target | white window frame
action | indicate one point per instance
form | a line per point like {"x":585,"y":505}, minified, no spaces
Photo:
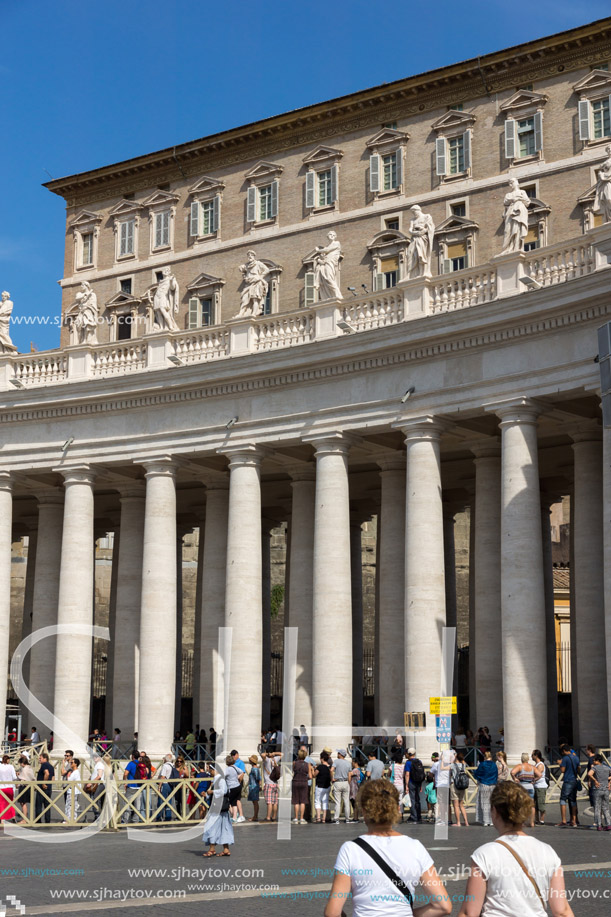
{"x":453,"y":203}
{"x":125,"y":212}
{"x":205,"y":287}
{"x":595,"y":87}
{"x":91,"y":237}
{"x":122,"y":255}
{"x":442,"y":155}
{"x":195,"y":309}
{"x":512,"y":136}
{"x":262,"y":176}
{"x":386,"y":245}
{"x":313,"y":187}
{"x":130,"y":277}
{"x":388,"y":142}
{"x":196,"y":218}
{"x":85,"y":223}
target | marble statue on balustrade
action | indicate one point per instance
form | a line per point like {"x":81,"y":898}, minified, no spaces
{"x":602,"y":198}
{"x":85,"y":323}
{"x":252,"y":299}
{"x":326,"y":269}
{"x":516,"y":218}
{"x":420,"y":248}
{"x":165,"y":302}
{"x":6,"y":308}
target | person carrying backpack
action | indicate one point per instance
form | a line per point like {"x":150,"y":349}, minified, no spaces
{"x":458,"y":787}
{"x":414,"y":778}
{"x":135,"y":771}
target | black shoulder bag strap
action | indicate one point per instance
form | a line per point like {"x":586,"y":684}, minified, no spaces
{"x":388,"y":871}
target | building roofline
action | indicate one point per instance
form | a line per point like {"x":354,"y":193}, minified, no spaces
{"x":492,"y":70}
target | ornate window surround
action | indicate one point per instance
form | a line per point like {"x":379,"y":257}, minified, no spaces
{"x":385,"y":142}
{"x":204,"y":191}
{"x":451,"y":125}
{"x":206,"y":286}
{"x":523,"y":104}
{"x":586,"y":202}
{"x":124,"y":305}
{"x":322,"y":159}
{"x":85,"y":222}
{"x":593,"y":87}
{"x":273,"y":278}
{"x":157,"y":203}
{"x":455,"y":231}
{"x":260,"y":176}
{"x":389,"y":243}
{"x":538,"y":213}
{"x":122,"y":212}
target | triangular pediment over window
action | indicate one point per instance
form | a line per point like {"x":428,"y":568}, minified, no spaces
{"x":454,"y":224}
{"x":322,"y":154}
{"x":264,"y":170}
{"x":125,"y":208}
{"x":207,"y":184}
{"x":588,"y":196}
{"x":538,"y":206}
{"x":85,"y":218}
{"x":523,"y":98}
{"x":593,"y":82}
{"x":387,"y":137}
{"x":122,"y":299}
{"x":203,"y":281}
{"x":158,"y":198}
{"x":454,"y":120}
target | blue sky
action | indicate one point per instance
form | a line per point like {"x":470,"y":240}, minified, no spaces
{"x":83,"y":85}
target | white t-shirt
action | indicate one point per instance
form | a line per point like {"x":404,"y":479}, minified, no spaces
{"x":509,"y":891}
{"x":373,"y":894}
{"x":268,"y":764}
{"x":7,"y":774}
{"x":442,"y":776}
{"x":540,"y":782}
{"x":72,"y":776}
{"x":99,"y":772}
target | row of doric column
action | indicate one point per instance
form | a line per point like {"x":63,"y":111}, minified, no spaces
{"x":512,"y":606}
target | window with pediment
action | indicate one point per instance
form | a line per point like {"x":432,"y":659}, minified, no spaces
{"x":388,"y":250}
{"x":453,"y":144}
{"x":85,"y":228}
{"x":205,"y":212}
{"x":322,"y":178}
{"x":162,"y":212}
{"x":262,"y":194}
{"x":126,"y":313}
{"x":125,"y":217}
{"x":594,"y":107}
{"x":386,"y":162}
{"x":456,"y":242}
{"x":204,"y":301}
{"x":590,"y":219}
{"x":524,"y":125}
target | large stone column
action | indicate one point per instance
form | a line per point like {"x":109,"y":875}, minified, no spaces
{"x":425,"y":612}
{"x":550,"y":622}
{"x":45,"y":597}
{"x":332,"y":595}
{"x":522,"y":585}
{"x":112,"y":619}
{"x":266,"y":621}
{"x":180,"y":534}
{"x":212,"y":609}
{"x":126,"y":644}
{"x":589,"y":589}
{"x":300,"y":587}
{"x":391,"y":630}
{"x":607,"y":555}
{"x":75,"y":606}
{"x":6,"y":522}
{"x":158,"y":610}
{"x":356,"y":574}
{"x":487,"y":586}
{"x":473,"y":720}
{"x":197,"y":630}
{"x":243,"y":599}
{"x":26,"y":623}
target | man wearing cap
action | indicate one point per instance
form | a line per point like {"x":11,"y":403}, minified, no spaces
{"x":413,"y":786}
{"x":341,"y":786}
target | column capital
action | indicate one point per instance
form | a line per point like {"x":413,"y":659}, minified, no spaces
{"x":131,"y":491}
{"x":304,"y":472}
{"x":6,"y":481}
{"x":212,"y":484}
{"x":424,"y":427}
{"x":485,"y":448}
{"x":245,"y":454}
{"x":586,"y":435}
{"x":158,"y":466}
{"x":518,"y":410}
{"x":391,"y":461}
{"x":50,"y":496}
{"x":338,"y":442}
{"x":78,"y":474}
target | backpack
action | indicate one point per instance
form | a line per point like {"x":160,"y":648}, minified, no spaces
{"x":416,"y":773}
{"x":548,"y":775}
{"x":140,"y":771}
{"x":174,"y":775}
{"x":461,"y":780}
{"x":274,"y":774}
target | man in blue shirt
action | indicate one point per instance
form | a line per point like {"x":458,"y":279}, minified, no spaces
{"x":131,"y":790}
{"x":569,"y":768}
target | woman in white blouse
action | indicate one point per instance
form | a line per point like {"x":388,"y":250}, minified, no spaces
{"x":7,"y":789}
{"x":516,"y":875}
{"x":26,"y":775}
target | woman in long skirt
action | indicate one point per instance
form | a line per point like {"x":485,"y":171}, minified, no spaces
{"x":217,"y":826}
{"x":8,"y":778}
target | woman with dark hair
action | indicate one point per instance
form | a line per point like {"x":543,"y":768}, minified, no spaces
{"x":516,"y":875}
{"x":457,"y":790}
{"x":302,"y":772}
{"x":380,"y":870}
{"x":322,"y":774}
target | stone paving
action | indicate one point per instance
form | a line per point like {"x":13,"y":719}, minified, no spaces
{"x":297,"y":872}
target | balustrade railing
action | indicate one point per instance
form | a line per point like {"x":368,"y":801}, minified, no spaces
{"x":40,"y":368}
{"x":275,"y":331}
{"x":378,"y":312}
{"x":463,"y":289}
{"x":558,"y":263}
{"x":119,"y":358}
{"x":202,"y":345}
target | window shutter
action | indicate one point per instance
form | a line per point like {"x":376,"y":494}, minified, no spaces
{"x":310,"y":188}
{"x":399,"y":165}
{"x":216,"y":213}
{"x":510,"y":138}
{"x":122,"y":238}
{"x":251,"y":207}
{"x":466,"y":145}
{"x":440,"y":156}
{"x":194,"y":313}
{"x":166,"y":227}
{"x":538,"y":132}
{"x":584,"y":120}
{"x":378,"y":282}
{"x":274,"y":202}
{"x":446,"y":266}
{"x":309,"y":291}
{"x":130,"y":237}
{"x":158,"y":226}
{"x":374,"y":172}
{"x":194,"y":227}
{"x":334,"y":177}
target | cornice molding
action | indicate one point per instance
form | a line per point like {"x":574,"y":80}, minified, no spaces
{"x":504,"y":330}
{"x":493,"y":73}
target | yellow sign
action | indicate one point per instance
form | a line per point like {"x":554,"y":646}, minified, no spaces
{"x":442,"y":706}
